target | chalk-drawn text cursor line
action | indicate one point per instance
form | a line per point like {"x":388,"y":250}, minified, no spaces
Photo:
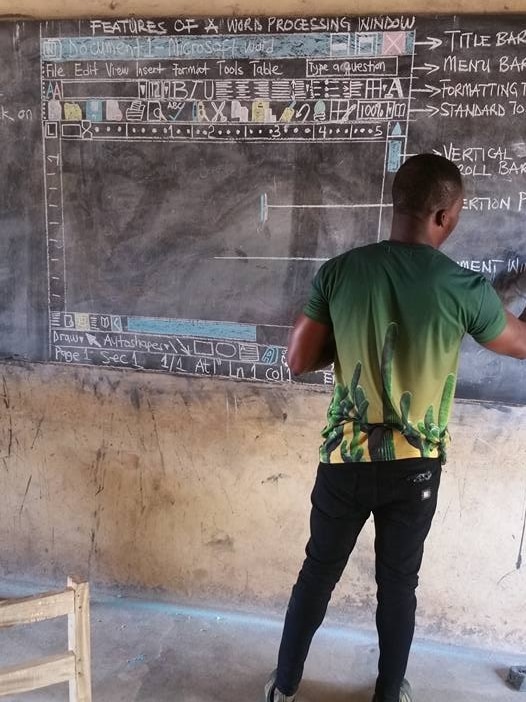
{"x":265,"y":207}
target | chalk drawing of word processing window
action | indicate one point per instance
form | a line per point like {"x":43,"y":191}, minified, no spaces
{"x":321,"y":88}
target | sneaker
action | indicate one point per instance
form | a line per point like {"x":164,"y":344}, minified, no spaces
{"x":272,"y":694}
{"x":406,"y":694}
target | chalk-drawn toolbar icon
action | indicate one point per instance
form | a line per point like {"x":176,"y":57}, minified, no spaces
{"x":340,"y":45}
{"x":394,"y":43}
{"x":82,"y":322}
{"x":54,"y":110}
{"x":135,"y":113}
{"x":367,"y":44}
{"x":51,"y":130}
{"x":52,"y":49}
{"x":249,"y":352}
{"x":94,"y":110}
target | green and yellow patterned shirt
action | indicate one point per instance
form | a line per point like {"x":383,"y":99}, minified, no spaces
{"x":398,"y":313}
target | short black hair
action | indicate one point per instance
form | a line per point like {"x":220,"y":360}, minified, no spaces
{"x":426,"y":183}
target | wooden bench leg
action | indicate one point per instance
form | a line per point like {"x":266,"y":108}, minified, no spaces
{"x":79,"y":642}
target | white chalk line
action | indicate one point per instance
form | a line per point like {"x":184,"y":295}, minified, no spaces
{"x":319,"y":207}
{"x":267,"y":258}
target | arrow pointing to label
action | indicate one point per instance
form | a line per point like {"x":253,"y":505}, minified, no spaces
{"x":432,"y":42}
{"x":431,"y":89}
{"x":92,"y":340}
{"x":428,"y":67}
{"x":432,"y":111}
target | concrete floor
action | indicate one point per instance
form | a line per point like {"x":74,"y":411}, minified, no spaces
{"x":156,"y":652}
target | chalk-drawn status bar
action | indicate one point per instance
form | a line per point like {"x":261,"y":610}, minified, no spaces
{"x":194,"y":347}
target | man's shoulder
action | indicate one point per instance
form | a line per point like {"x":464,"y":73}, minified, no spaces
{"x":428,"y":259}
{"x":365,"y":251}
{"x":457,"y":271}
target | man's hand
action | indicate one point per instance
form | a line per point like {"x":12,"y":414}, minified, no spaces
{"x":510,"y":286}
{"x":311,"y":346}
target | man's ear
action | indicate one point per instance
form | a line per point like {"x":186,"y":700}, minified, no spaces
{"x":440,"y":218}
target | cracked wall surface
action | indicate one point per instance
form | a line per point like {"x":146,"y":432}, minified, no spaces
{"x":198,"y":490}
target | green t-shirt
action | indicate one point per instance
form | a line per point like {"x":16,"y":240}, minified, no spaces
{"x":398,"y":313}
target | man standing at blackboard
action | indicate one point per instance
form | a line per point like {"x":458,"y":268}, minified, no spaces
{"x":391,"y":316}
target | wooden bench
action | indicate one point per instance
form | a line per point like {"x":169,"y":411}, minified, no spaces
{"x":72,"y":666}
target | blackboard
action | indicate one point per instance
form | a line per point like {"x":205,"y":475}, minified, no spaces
{"x":169,"y":187}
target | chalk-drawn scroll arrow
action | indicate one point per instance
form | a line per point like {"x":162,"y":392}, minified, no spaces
{"x":431,"y":111}
{"x":183,"y":348}
{"x":432,"y":42}
{"x":92,"y":340}
{"x":428,"y":67}
{"x":432,"y":90}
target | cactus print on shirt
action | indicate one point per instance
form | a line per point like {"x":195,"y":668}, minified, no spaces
{"x":398,"y":313}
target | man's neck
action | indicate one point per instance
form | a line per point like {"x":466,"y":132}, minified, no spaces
{"x":408,"y":229}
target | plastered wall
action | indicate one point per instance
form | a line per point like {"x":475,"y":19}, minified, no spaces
{"x":198,"y":489}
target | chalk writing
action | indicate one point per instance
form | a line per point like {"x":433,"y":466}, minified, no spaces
{"x":352,"y":84}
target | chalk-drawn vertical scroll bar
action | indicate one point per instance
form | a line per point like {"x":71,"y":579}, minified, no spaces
{"x":54,"y":210}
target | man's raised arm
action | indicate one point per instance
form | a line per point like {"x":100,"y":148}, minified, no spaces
{"x":512,"y":340}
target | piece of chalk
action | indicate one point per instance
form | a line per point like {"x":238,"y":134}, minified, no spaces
{"x":517,"y":678}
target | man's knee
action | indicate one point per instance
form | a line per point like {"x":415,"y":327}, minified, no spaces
{"x":318,"y":579}
{"x":396,"y":582}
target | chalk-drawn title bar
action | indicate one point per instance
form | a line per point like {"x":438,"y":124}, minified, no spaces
{"x":311,"y":46}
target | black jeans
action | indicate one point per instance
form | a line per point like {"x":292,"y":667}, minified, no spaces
{"x":402,"y":495}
